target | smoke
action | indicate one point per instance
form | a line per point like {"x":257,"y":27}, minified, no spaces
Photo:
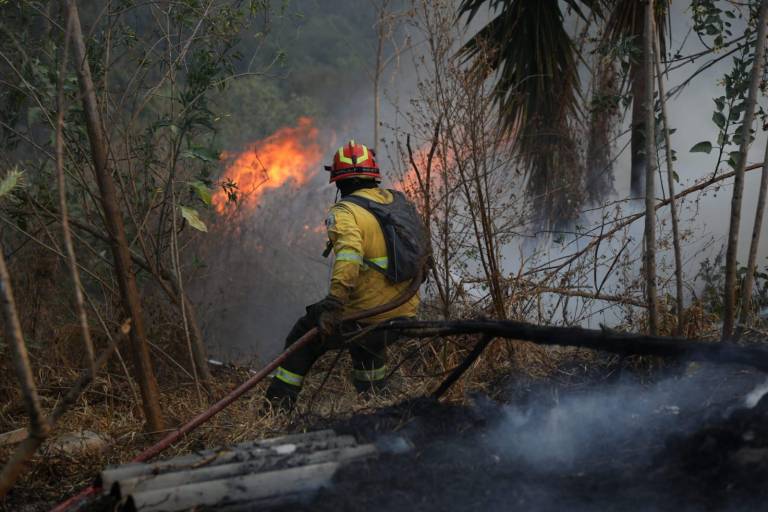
{"x":756,"y":394}
{"x":704,"y":218}
{"x":620,"y":424}
{"x":262,"y":267}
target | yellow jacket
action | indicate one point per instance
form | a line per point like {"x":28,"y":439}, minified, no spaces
{"x":356,"y":234}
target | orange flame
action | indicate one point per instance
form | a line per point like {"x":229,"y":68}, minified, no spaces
{"x":290,"y":156}
{"x":410,"y":183}
{"x":320,"y":228}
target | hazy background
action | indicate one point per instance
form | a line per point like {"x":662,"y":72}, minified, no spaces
{"x":319,"y":58}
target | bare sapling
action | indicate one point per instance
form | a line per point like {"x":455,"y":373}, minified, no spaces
{"x":38,"y":423}
{"x":650,"y":176}
{"x":679,"y":303}
{"x":129,"y":291}
{"x":757,"y":227}
{"x":731,"y":264}
{"x":82,"y":316}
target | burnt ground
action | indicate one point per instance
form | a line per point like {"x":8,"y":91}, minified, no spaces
{"x":588,"y":440}
{"x":685,"y":442}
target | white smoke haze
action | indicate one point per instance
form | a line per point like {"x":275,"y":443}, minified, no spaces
{"x":261,"y":271}
{"x":619,"y":424}
{"x":756,"y":394}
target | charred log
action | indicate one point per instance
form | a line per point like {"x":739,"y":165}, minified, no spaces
{"x":605,"y":340}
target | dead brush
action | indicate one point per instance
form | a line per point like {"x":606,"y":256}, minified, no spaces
{"x":111,"y":409}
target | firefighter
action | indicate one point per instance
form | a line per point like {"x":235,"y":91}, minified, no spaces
{"x":359,"y":282}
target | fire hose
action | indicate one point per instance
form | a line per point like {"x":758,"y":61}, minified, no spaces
{"x":236,"y":393}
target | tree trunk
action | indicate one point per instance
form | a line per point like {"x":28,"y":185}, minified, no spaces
{"x":639,"y":86}
{"x":143,"y":372}
{"x":599,"y":158}
{"x":749,"y":278}
{"x":376,"y":99}
{"x":731,"y":264}
{"x":38,"y":425}
{"x":650,"y":175}
{"x":378,"y":71}
{"x":671,"y":185}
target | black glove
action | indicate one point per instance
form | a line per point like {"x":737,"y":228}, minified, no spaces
{"x":329,"y":313}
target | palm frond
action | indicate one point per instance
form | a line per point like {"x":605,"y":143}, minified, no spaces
{"x":527,"y":45}
{"x":472,"y":7}
{"x":528,"y":51}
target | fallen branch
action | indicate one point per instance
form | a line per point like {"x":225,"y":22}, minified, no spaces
{"x":605,"y":340}
{"x":14,"y":436}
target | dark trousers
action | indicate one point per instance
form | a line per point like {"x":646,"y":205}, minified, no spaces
{"x":368,"y":351}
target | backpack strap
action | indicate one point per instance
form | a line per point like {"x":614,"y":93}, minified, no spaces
{"x":366,"y":203}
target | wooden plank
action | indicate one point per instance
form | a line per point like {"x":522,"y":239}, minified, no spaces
{"x":268,"y":463}
{"x":321,"y":440}
{"x":238,"y":489}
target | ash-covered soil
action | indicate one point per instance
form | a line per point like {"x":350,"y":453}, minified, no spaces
{"x":687,"y":442}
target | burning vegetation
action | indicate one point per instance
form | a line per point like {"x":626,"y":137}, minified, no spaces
{"x":290,"y":157}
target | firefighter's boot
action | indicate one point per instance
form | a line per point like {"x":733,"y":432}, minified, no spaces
{"x":281,"y":395}
{"x":370,"y":381}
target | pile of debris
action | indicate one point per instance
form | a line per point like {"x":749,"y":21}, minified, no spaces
{"x":261,"y":473}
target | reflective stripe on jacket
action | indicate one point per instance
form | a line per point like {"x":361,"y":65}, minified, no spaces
{"x":356,"y":235}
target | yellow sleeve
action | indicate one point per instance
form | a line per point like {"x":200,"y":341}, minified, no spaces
{"x":347,"y":240}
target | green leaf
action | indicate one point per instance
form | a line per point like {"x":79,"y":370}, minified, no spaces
{"x":702,"y":147}
{"x":10,"y":181}
{"x":202,"y":191}
{"x":675,"y":177}
{"x":719,"y":119}
{"x":201,"y":153}
{"x":191,"y":215}
{"x":733,"y":159}
{"x":720,"y":103}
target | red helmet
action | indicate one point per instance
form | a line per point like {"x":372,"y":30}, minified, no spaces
{"x":354,"y":161}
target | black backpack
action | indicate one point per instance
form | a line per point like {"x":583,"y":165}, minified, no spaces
{"x":404,"y":233}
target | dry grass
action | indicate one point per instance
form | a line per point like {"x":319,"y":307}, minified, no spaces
{"x":110,"y":407}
